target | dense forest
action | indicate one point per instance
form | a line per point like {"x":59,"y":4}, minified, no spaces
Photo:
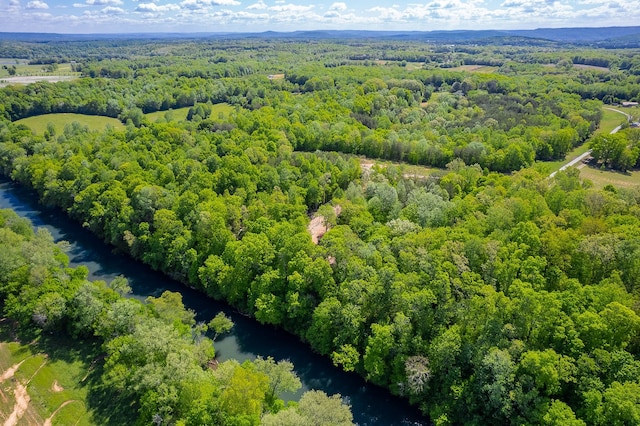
{"x":484,"y":292}
{"x":157,"y":356}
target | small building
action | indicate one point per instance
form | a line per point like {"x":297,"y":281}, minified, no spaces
{"x":629,"y":104}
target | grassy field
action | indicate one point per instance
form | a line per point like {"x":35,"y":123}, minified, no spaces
{"x":633,"y":111}
{"x":38,"y":124}
{"x":48,"y":385}
{"x":179,"y":114}
{"x":548,"y":167}
{"x":218,"y":111}
{"x":475,"y":68}
{"x":407,"y":170}
{"x":591,"y":67}
{"x":601,"y":178}
{"x":610,"y":120}
{"x":24,"y":69}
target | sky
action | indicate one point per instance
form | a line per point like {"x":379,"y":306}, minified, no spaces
{"x":147,"y":16}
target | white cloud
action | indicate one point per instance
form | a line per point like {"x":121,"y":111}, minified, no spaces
{"x":281,"y":15}
{"x":112,"y":10}
{"x":291,"y":8}
{"x":37,"y":4}
{"x":192,"y":4}
{"x":103,"y":2}
{"x":89,"y":3}
{"x":260,"y":5}
{"x":13,"y":7}
{"x":203,"y":4}
{"x":152,"y":7}
{"x":388,"y":13}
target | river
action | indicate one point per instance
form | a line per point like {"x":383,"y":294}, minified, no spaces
{"x":370,"y":404}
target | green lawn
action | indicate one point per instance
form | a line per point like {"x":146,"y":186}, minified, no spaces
{"x":601,"y":178}
{"x":95,"y":122}
{"x":218,"y":111}
{"x":23,"y":69}
{"x":548,"y":167}
{"x":611,"y":120}
{"x":179,"y":114}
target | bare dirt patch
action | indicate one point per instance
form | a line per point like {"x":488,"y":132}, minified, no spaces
{"x":55,"y":387}
{"x":317,"y":227}
{"x":591,"y":67}
{"x":21,"y":405}
{"x":9,"y":372}
{"x":32,"y":79}
{"x":367,"y":166}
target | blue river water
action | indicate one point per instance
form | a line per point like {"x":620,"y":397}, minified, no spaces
{"x":371,"y":405}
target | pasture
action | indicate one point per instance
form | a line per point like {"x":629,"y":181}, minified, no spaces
{"x":219,"y":111}
{"x":43,"y":388}
{"x":601,"y":178}
{"x":39,"y":123}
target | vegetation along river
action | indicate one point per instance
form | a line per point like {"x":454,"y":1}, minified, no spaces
{"x":370,"y":404}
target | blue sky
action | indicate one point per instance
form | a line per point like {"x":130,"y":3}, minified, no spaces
{"x":118,"y":16}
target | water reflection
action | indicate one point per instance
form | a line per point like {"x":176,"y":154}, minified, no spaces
{"x":371,"y":405}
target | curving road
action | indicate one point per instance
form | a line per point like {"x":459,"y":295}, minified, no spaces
{"x":588,"y":153}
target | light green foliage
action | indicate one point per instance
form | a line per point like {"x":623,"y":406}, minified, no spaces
{"x":549,"y":370}
{"x":244,"y":394}
{"x":170,"y":309}
{"x":281,"y":377}
{"x":316,"y":409}
{"x":346,"y":356}
{"x":622,"y":403}
{"x":220,"y":324}
{"x":561,"y":414}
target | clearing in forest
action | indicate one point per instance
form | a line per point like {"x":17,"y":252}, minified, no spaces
{"x":28,"y":79}
{"x":408,"y":171}
{"x":40,"y":389}
{"x":318,"y":226}
{"x":38,"y":124}
{"x":218,"y":111}
{"x":484,"y":69}
{"x":601,"y":178}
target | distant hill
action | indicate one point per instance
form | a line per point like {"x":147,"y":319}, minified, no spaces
{"x":579,"y":34}
{"x":603,"y":36}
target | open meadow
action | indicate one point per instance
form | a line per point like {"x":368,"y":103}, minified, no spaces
{"x":218,"y":111}
{"x":43,"y":384}
{"x":39,"y":123}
